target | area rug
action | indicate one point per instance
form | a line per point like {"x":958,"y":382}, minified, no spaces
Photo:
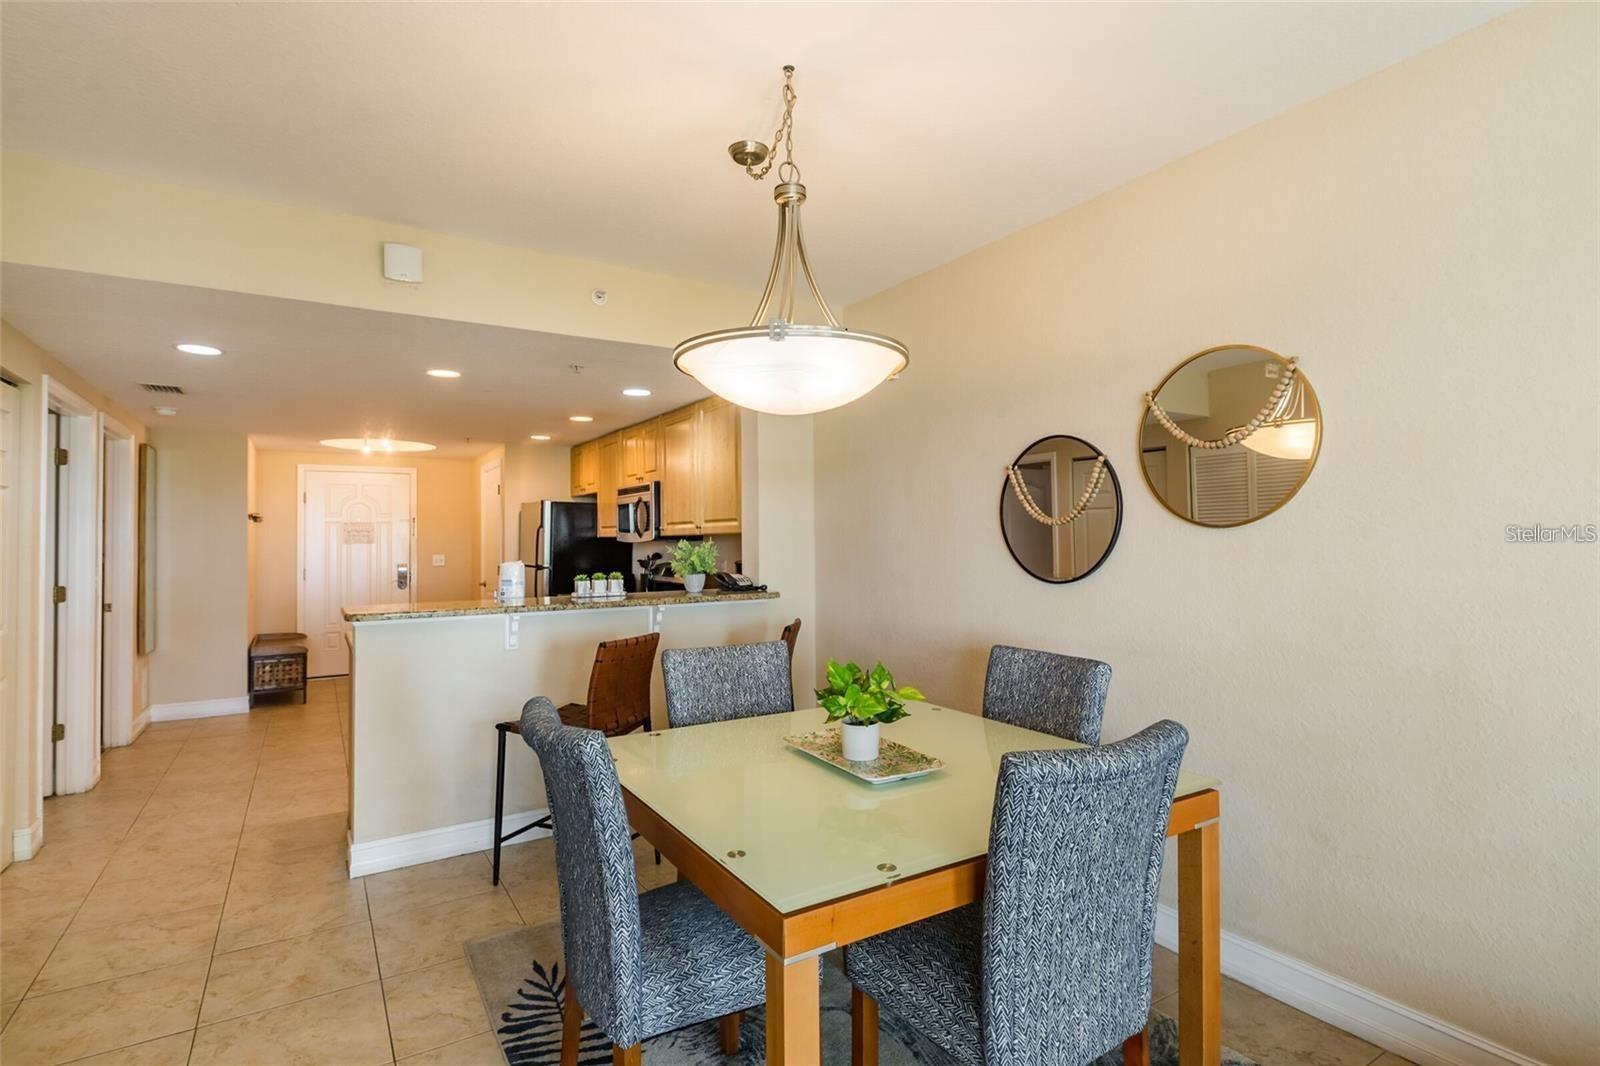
{"x":520,"y":976}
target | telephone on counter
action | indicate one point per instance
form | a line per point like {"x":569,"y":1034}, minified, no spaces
{"x":737,"y":582}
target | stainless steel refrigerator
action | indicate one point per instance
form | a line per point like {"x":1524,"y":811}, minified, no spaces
{"x":558,"y":541}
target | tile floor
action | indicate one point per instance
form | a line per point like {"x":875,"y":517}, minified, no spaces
{"x":194,"y":908}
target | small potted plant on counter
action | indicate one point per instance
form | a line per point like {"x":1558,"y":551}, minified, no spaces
{"x":692,"y":562}
{"x":582,"y":588}
{"x":614,"y":584}
{"x":862,"y":701}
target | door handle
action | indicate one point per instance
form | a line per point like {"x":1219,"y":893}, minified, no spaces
{"x":402,"y":577}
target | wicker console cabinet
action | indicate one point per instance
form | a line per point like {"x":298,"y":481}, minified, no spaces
{"x":277,"y":664}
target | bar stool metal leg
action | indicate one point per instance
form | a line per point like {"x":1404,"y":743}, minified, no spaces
{"x":499,"y":799}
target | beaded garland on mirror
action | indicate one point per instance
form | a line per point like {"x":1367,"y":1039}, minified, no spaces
{"x":1060,"y":509}
{"x":1230,"y":435}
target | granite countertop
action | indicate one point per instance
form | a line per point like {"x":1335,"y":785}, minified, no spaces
{"x":388,"y":612}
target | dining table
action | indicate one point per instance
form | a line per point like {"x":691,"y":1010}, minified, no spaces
{"x":807,"y":857}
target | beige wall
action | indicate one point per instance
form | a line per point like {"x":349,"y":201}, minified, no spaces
{"x":73,"y":218}
{"x":1401,"y":704}
{"x":202,"y":571}
{"x":533,"y":471}
{"x":25,"y":363}
{"x":253,"y":539}
{"x":446,"y":510}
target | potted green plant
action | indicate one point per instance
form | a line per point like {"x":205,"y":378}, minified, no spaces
{"x":582,"y":588}
{"x":614,"y":584}
{"x":862,"y":701}
{"x":692,"y":561}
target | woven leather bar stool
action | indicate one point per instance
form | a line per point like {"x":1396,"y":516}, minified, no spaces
{"x":619,"y":702}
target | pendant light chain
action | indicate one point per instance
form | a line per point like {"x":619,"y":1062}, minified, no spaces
{"x":1233,"y":436}
{"x":784,"y":134}
{"x":1097,"y":477}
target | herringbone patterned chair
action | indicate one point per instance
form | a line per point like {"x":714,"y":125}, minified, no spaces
{"x":638,"y":965}
{"x":1057,"y":694}
{"x":733,"y":681}
{"x":1053,"y":967}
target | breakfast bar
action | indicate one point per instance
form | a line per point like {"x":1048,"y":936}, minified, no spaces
{"x":429,"y":681}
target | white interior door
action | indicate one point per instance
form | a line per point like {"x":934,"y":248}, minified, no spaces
{"x":57,"y":519}
{"x":356,"y":540}
{"x":491,"y":521}
{"x":10,"y":534}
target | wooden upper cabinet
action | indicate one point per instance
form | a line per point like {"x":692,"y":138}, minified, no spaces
{"x":680,"y":482}
{"x":610,"y":461}
{"x":641,"y":447}
{"x":693,"y":452}
{"x":720,"y":490}
{"x":586,"y":469}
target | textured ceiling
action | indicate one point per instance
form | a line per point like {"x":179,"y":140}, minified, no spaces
{"x":295,"y":372}
{"x":598,"y":130}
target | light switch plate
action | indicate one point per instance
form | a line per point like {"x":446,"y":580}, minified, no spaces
{"x":512,"y":628}
{"x":438,"y":560}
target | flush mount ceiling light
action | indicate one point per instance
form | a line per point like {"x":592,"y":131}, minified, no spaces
{"x":368,"y":445}
{"x":580,"y":418}
{"x":444,"y":373}
{"x":635,"y":392}
{"x":165,"y":412}
{"x":198,"y":349}
{"x":776,"y":364}
{"x":539,"y":436}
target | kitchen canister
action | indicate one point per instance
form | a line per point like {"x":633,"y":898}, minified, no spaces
{"x":513,"y":582}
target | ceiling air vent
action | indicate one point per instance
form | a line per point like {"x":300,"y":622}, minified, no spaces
{"x":164,"y":390}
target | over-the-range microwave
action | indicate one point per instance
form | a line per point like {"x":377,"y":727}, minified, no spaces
{"x":639,"y":512}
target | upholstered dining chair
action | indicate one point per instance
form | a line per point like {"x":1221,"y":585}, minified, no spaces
{"x":638,"y":965}
{"x":1054,"y":966}
{"x":1062,"y":695}
{"x":791,"y":633}
{"x":618,"y":703}
{"x":733,"y":681}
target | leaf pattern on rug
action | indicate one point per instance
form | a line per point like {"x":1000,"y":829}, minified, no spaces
{"x":530,"y":1029}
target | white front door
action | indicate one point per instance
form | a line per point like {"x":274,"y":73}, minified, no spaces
{"x":10,"y":534}
{"x":356,"y":537}
{"x":491,"y":520}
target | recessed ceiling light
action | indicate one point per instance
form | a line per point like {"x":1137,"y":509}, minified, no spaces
{"x":166,"y":412}
{"x":198,"y":349}
{"x":580,"y":418}
{"x":368,"y":445}
{"x":635,"y":392}
{"x":444,"y":373}
{"x":539,"y":436}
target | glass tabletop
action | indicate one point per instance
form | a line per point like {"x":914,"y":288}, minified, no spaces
{"x":800,"y":832}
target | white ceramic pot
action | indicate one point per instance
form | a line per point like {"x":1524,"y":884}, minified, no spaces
{"x":582,"y":587}
{"x":614,"y":587}
{"x":860,"y":742}
{"x":694,"y":584}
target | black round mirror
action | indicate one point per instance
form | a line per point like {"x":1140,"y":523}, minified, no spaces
{"x":1060,"y":509}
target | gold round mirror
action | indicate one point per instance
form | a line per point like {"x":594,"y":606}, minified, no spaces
{"x":1230,"y":435}
{"x":1060,"y":509}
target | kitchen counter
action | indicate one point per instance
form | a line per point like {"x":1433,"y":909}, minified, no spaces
{"x":429,"y":682}
{"x":389,"y":612}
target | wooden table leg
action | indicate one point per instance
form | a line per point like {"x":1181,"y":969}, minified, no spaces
{"x":794,"y":1013}
{"x":863,"y":1029}
{"x":1199,"y":948}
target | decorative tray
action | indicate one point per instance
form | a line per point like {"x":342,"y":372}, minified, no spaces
{"x":895,"y":762}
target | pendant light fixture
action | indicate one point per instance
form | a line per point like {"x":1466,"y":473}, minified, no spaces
{"x":776,"y":364}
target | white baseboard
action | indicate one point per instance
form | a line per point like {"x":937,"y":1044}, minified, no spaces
{"x":168,"y":712}
{"x":140,"y":722}
{"x":1392,"y":1026}
{"x":391,"y":853}
{"x":25,"y":842}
